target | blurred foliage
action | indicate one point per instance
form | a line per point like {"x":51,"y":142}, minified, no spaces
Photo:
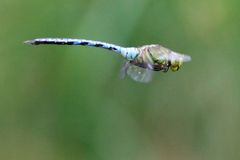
{"x":66,"y":102}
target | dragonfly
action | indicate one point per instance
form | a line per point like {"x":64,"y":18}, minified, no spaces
{"x":140,"y":63}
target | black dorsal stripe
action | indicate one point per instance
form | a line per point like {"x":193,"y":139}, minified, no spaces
{"x":53,"y":42}
{"x":99,"y":45}
{"x":84,"y":43}
{"x":70,"y":43}
{"x":112,"y":48}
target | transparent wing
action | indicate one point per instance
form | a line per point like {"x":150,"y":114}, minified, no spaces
{"x":136,"y":73}
{"x":160,"y":52}
{"x":124,"y":69}
{"x":174,"y":56}
{"x":140,"y":74}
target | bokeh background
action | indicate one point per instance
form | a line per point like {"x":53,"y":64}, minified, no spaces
{"x":68,"y":103}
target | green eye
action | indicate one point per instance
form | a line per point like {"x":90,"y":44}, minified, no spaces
{"x":175,"y":68}
{"x":176,"y":65}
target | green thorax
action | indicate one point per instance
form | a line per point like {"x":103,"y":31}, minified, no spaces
{"x":157,"y":58}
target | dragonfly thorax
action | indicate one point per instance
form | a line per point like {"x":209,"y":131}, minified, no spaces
{"x":157,"y":58}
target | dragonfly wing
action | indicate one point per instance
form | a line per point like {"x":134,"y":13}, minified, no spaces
{"x":139,"y":74}
{"x":136,"y":73}
{"x":124,"y":69}
{"x":174,"y":56}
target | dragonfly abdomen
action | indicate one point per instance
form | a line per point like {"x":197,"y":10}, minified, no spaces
{"x":129,"y":53}
{"x":69,"y":41}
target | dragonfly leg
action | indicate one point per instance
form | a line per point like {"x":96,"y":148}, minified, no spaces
{"x":165,"y":68}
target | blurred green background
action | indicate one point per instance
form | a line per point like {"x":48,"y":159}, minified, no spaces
{"x":68,"y":103}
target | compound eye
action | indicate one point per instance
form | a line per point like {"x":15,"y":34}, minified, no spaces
{"x":175,"y":65}
{"x":175,"y":68}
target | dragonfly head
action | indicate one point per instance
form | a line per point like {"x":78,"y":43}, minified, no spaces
{"x":177,"y":60}
{"x":175,"y":65}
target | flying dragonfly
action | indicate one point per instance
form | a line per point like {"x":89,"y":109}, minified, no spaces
{"x":140,"y":63}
